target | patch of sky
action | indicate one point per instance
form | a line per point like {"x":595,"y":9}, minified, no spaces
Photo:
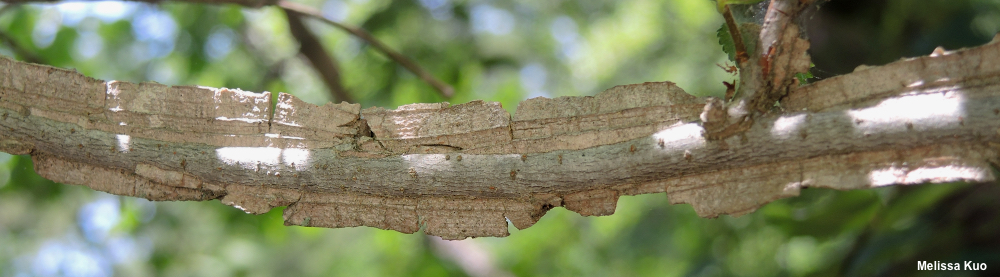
{"x":122,"y":249}
{"x":73,"y":12}
{"x":564,"y":30}
{"x":88,"y":45}
{"x":156,"y":29}
{"x":440,"y":9}
{"x":489,"y":19}
{"x":110,"y":11}
{"x":336,"y":10}
{"x":220,"y":42}
{"x":88,"y":42}
{"x":68,"y":257}
{"x":533,"y":78}
{"x":97,"y":218}
{"x":98,"y":250}
{"x":107,"y":11}
{"x":46,"y":27}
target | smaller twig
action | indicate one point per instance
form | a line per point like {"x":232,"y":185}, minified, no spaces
{"x":273,"y":72}
{"x":274,"y":67}
{"x":326,"y":65}
{"x":25,"y":54}
{"x":765,"y":76}
{"x":734,"y":31}
{"x":444,"y":89}
{"x":28,"y":56}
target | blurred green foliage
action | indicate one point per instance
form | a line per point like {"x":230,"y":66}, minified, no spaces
{"x":502,"y":51}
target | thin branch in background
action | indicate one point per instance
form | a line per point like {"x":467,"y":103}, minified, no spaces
{"x":9,"y":41}
{"x":444,"y":89}
{"x":275,"y":67}
{"x":312,"y":50}
{"x":273,"y":72}
{"x":28,"y":56}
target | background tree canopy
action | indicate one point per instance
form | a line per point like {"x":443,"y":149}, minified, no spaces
{"x":502,"y":51}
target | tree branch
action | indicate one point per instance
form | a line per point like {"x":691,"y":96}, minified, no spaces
{"x":464,"y":171}
{"x":444,"y":89}
{"x":313,"y":51}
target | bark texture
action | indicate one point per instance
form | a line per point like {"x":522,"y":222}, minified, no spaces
{"x":465,"y":170}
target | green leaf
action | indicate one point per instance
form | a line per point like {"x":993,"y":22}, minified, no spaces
{"x":726,"y":41}
{"x":805,"y":76}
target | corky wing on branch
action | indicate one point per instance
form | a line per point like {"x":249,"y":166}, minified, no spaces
{"x":466,"y":170}
{"x":463,"y":171}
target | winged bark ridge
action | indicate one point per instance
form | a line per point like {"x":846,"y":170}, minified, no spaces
{"x":467,"y":170}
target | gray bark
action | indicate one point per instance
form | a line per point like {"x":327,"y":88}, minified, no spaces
{"x":466,"y":170}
